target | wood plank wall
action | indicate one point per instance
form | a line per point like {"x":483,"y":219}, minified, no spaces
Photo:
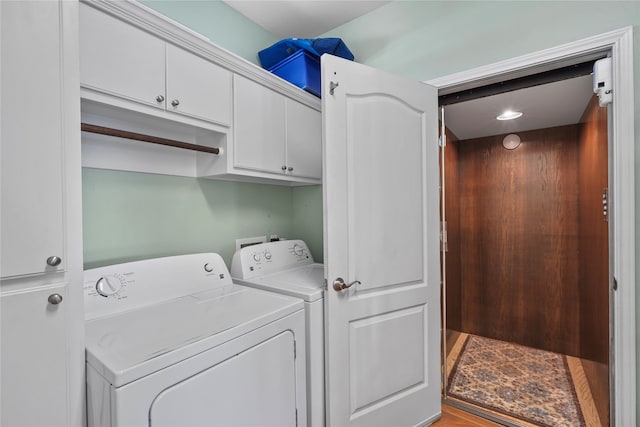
{"x":594,"y":235}
{"x":519,"y":239}
{"x":527,"y":253}
{"x":594,"y":256}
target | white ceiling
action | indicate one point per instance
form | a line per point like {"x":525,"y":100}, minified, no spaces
{"x":303,"y":18}
{"x":555,"y":104}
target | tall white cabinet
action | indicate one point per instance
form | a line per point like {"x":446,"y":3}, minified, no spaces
{"x":41,"y":316}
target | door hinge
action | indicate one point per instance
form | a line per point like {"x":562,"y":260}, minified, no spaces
{"x":442,"y":141}
{"x":605,"y":204}
{"x":443,"y":236}
{"x":615,"y":284}
{"x":333,"y":86}
{"x":295,"y":349}
{"x":296,"y":417}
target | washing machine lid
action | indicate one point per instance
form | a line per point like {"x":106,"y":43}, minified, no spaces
{"x":306,"y":282}
{"x":130,"y":345}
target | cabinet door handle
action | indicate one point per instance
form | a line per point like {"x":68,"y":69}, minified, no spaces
{"x":159,"y":98}
{"x":175,"y":102}
{"x":55,"y":299}
{"x":284,"y":168}
{"x":290,"y":168}
{"x":54,"y":261}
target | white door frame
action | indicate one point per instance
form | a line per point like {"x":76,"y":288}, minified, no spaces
{"x":619,"y":44}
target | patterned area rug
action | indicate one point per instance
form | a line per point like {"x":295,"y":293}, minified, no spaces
{"x":522,"y":382}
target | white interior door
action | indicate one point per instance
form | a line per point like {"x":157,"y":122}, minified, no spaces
{"x":380,"y":185}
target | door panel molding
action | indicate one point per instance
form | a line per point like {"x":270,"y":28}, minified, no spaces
{"x":366,"y":389}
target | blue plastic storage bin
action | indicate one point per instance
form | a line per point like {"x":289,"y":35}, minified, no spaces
{"x":271,"y":56}
{"x":302,"y":69}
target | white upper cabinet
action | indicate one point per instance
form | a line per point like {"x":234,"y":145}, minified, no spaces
{"x":32,"y":141}
{"x":119,"y":59}
{"x":259,"y":127}
{"x":112,"y":59}
{"x":275,"y":134}
{"x":143,"y":73}
{"x":197,"y":87}
{"x":304,"y":140}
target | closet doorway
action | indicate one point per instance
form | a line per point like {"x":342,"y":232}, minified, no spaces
{"x":527,"y":250}
{"x":618,"y":45}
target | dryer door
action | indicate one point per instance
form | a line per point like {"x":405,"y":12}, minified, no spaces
{"x":255,"y":387}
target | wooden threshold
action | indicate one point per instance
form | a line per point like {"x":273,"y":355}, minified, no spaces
{"x":454,"y":417}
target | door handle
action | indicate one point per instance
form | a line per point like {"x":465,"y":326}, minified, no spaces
{"x":339,"y":285}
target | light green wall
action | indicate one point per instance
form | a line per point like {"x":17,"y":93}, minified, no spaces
{"x":427,"y":39}
{"x":307,"y":218}
{"x":220,"y":23}
{"x":130,"y":216}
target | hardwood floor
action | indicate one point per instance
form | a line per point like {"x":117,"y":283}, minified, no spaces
{"x":454,"y":417}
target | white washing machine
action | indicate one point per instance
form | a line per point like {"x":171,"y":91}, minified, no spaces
{"x":174,"y":342}
{"x":287,"y":267}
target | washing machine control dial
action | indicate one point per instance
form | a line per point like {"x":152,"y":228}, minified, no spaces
{"x":267,"y":255}
{"x":108,"y":285}
{"x":256,"y":257}
{"x":298,"y":250}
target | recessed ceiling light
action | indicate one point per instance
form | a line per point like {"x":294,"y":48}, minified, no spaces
{"x":509,"y":115}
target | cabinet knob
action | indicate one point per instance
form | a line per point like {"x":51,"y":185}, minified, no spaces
{"x":159,"y":98}
{"x":284,"y":168}
{"x":290,"y":168}
{"x":54,"y":261}
{"x":175,"y":102}
{"x":55,"y":299}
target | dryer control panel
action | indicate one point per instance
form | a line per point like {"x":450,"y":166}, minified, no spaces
{"x":120,"y":287}
{"x":271,"y":257}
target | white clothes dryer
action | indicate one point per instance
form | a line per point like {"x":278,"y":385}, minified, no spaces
{"x":287,"y":267}
{"x":174,"y":342}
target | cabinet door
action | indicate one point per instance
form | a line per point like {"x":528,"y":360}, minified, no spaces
{"x":31,"y":139}
{"x":120,"y":59}
{"x":259,"y":127}
{"x":304,"y":140}
{"x":197,"y":87}
{"x":33,"y":366}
